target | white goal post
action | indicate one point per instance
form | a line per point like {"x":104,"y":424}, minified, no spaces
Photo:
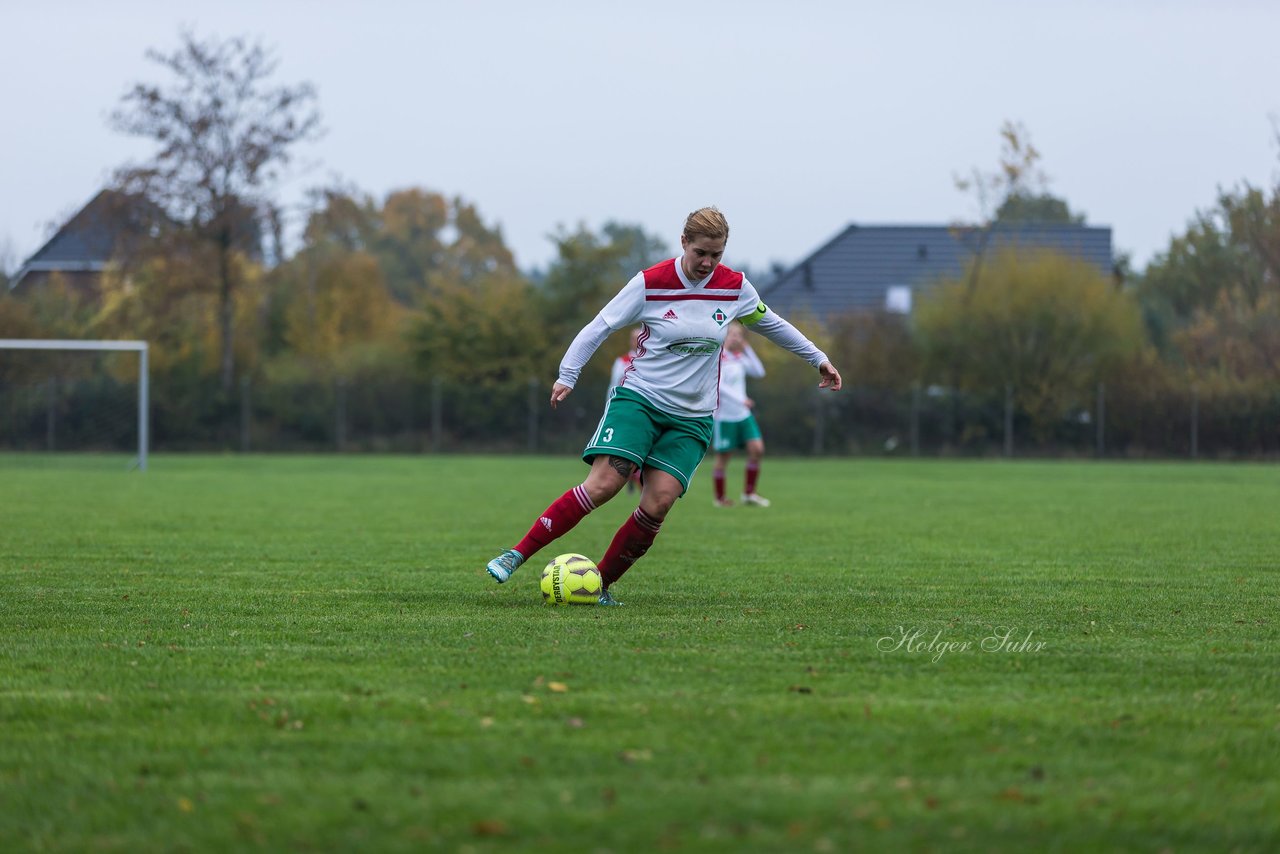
{"x":139,"y":347}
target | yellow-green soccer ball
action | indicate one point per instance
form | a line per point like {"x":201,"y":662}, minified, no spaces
{"x":571,"y":579}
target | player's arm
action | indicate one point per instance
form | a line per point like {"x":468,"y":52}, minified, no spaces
{"x":584,"y":345}
{"x":751,"y":363}
{"x":774,"y":327}
{"x":622,"y":310}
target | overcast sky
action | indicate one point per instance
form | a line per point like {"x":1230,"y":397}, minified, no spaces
{"x":796,"y":118}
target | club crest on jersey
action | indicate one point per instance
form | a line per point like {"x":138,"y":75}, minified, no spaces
{"x":719,"y":317}
{"x":670,"y":315}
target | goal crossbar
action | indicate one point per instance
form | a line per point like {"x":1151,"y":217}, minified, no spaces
{"x":140,"y":347}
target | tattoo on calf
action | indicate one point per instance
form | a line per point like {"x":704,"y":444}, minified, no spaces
{"x":621,"y":466}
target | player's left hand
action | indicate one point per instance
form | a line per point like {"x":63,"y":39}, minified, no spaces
{"x":830,"y":377}
{"x":559,"y":392}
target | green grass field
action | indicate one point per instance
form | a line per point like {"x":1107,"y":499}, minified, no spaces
{"x":305,"y":653}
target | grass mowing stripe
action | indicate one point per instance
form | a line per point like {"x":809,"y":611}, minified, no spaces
{"x":294,"y":652}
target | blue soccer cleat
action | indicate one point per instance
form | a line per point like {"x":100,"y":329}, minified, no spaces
{"x":504,"y":564}
{"x":606,"y":599}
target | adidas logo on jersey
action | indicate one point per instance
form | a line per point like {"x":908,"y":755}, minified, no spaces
{"x":670,"y":315}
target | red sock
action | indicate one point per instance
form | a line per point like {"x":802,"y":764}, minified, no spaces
{"x":629,"y":545}
{"x":753,"y":474}
{"x":556,"y":521}
{"x":718,"y":475}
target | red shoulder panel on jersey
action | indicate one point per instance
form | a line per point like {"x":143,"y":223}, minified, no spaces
{"x":662,"y":284}
{"x":722,"y":278}
{"x":662,"y":276}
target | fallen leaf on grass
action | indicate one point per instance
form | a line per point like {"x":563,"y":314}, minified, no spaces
{"x":557,"y":687}
{"x":489,"y":827}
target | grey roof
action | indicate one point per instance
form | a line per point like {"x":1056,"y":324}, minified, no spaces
{"x":87,"y":241}
{"x":855,"y":269}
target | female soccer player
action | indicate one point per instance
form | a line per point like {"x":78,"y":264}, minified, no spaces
{"x":659,"y":419}
{"x":616,"y":375}
{"x":735,"y":425}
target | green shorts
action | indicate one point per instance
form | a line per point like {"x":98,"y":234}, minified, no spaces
{"x":732,"y":435}
{"x":634,"y":429}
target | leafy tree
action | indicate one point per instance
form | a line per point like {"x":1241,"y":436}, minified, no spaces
{"x":166,"y":300}
{"x":342,"y":219}
{"x":878,"y":348}
{"x":484,"y":332}
{"x":1210,"y":300}
{"x":424,"y":238}
{"x":1023,"y":207}
{"x":1048,"y":325}
{"x":589,"y":270}
{"x":418,"y":237}
{"x":342,"y":305}
{"x":223,"y":132}
{"x":1235,"y":342}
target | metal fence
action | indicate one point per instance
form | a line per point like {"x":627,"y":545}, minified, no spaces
{"x":99,"y":413}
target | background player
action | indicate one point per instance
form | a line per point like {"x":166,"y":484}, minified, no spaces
{"x":735,"y":425}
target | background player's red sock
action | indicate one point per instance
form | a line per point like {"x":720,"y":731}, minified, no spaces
{"x":556,"y":521}
{"x":629,"y":545}
{"x":718,"y":476}
{"x":753,"y":474}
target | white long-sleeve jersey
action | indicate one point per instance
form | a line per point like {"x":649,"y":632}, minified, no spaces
{"x":683,"y":327}
{"x":734,"y":370}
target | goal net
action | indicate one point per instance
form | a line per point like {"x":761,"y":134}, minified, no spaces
{"x":88,"y":396}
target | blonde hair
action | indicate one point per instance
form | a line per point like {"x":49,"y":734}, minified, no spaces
{"x":706,"y":222}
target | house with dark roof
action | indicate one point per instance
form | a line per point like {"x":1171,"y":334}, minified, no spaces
{"x":886,"y":267}
{"x":83,"y":247}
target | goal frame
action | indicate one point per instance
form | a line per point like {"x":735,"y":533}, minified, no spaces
{"x":139,"y":347}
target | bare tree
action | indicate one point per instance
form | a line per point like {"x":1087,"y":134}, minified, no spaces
{"x":223,"y":132}
{"x":1017,"y":176}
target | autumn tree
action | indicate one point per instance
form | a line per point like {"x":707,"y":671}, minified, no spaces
{"x":418,"y":237}
{"x":419,"y":275}
{"x":589,"y":269}
{"x":1220,"y":278}
{"x":484,"y":332}
{"x":1015,"y":193}
{"x":223,"y":132}
{"x":425,"y":238}
{"x":1047,"y":325}
{"x":877,"y":347}
{"x":1212,"y":300}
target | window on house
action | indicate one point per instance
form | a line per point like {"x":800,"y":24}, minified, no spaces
{"x":897,"y":299}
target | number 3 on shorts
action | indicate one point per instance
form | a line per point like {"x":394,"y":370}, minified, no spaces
{"x":607,"y":436}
